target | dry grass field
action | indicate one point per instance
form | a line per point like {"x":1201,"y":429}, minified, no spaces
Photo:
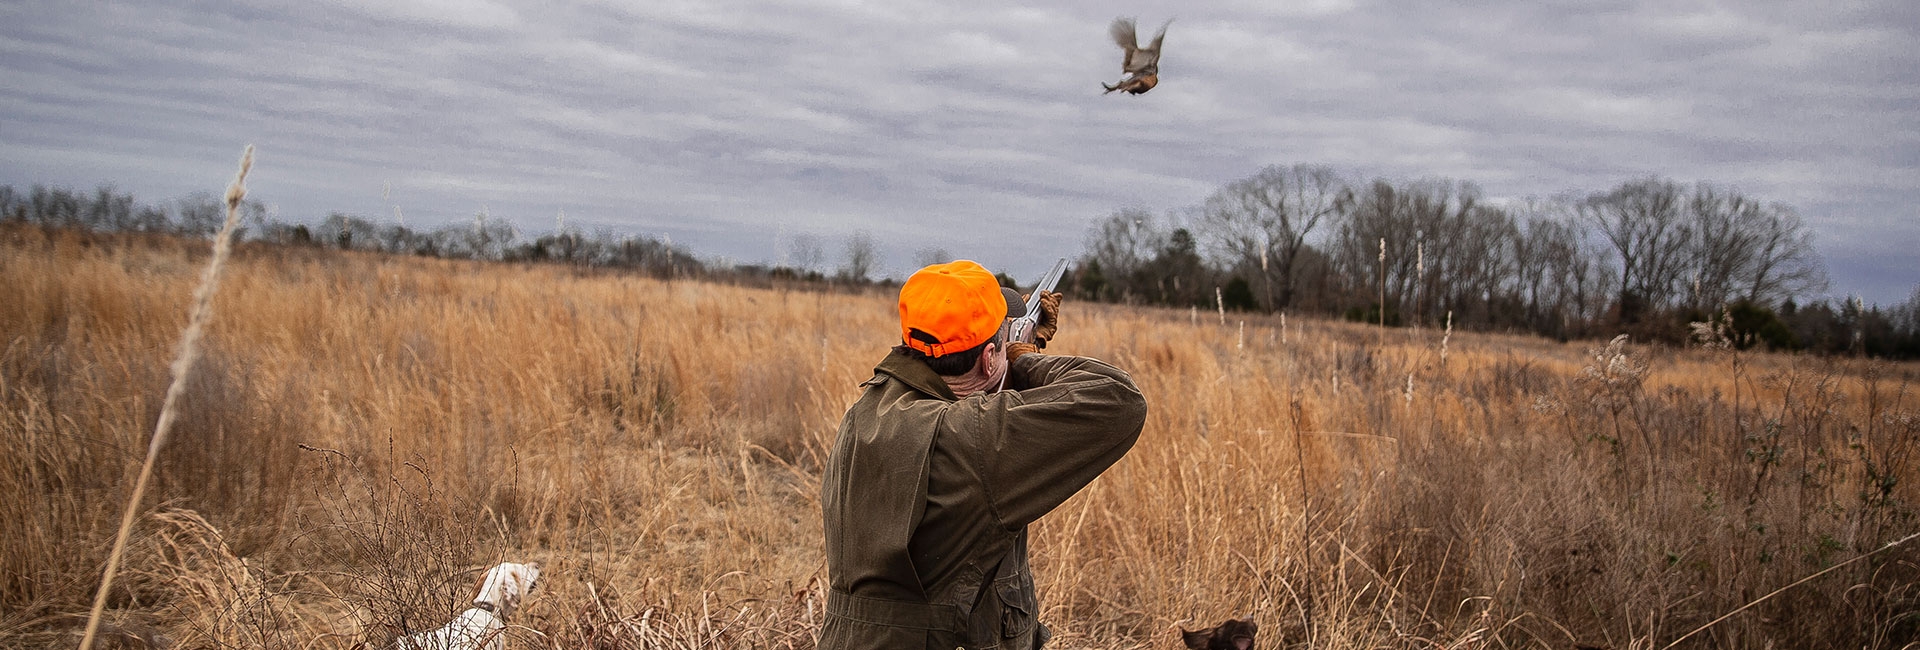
{"x":366,"y":433}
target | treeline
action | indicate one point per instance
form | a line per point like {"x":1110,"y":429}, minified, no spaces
{"x":1647,"y":258}
{"x":106,"y":210}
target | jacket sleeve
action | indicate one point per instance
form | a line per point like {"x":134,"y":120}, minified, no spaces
{"x":1069,"y":419}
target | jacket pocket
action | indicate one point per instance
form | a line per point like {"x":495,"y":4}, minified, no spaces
{"x":1018,"y":607}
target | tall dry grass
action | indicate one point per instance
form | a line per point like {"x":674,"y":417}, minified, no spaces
{"x":366,"y":432}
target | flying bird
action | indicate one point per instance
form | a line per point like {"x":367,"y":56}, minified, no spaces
{"x":1142,"y":64}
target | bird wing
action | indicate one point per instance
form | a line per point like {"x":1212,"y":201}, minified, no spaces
{"x":1147,"y":59}
{"x":1123,"y":36}
{"x":1160,"y":37}
{"x":1122,"y":30}
{"x":1137,"y":60}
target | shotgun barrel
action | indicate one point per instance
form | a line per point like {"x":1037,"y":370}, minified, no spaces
{"x":1021,"y":329}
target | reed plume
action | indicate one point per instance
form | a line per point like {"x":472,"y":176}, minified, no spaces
{"x":198,"y":313}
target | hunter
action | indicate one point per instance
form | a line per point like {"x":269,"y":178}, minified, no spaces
{"x":937,"y":470}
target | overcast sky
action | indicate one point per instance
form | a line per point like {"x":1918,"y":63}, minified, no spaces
{"x":974,"y":127}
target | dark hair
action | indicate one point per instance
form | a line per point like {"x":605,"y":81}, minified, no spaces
{"x":957,"y":363}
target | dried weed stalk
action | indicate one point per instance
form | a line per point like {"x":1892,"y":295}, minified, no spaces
{"x":198,"y":314}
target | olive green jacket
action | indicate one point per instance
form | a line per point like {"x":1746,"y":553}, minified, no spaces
{"x":926,"y":498}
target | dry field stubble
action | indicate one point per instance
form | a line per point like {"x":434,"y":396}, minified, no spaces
{"x":367,"y":432}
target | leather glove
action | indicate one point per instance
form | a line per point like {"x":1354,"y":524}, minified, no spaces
{"x":1049,"y":324}
{"x":1014,"y":351}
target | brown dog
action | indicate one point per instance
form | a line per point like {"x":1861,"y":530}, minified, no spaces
{"x":1235,"y":634}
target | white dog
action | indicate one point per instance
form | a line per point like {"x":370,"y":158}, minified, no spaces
{"x":483,"y":626}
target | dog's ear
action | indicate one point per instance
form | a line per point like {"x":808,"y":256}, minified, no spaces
{"x":523,"y":578}
{"x":528,"y":576}
{"x":1198,"y":639}
{"x":511,"y":588}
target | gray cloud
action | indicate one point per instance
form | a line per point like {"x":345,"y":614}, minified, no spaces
{"x":978,"y":129}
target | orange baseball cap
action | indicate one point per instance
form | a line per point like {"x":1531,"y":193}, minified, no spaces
{"x":954,"y":307}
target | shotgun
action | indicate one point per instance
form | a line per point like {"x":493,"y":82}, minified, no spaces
{"x":1021,"y":329}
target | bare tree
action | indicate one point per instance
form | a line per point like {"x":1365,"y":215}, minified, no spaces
{"x":490,"y":238}
{"x":1445,"y":252}
{"x":1453,"y":249}
{"x":806,"y":252}
{"x":1584,"y":282}
{"x":1381,"y":218}
{"x":1258,"y":225}
{"x":1784,"y":262}
{"x":1906,"y":316}
{"x":398,"y":239}
{"x":1474,"y":265}
{"x":1645,"y":222}
{"x":862,"y":257}
{"x":348,"y":232}
{"x":1560,"y":274}
{"x":151,"y":219}
{"x":1543,"y":236}
{"x":930,"y":256}
{"x":53,"y":207}
{"x":1176,"y":275}
{"x":1731,"y":247}
{"x":1118,"y":250}
{"x":1414,"y":226}
{"x":1726,"y":235}
{"x":110,"y":210}
{"x":200,"y":215}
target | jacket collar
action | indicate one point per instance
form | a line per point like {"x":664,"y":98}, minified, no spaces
{"x":915,"y":374}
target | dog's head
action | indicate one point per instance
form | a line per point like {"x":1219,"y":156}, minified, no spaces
{"x":506,"y":585}
{"x":1235,"y":634}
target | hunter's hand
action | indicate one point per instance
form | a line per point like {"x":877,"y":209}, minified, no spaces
{"x":1049,"y":323}
{"x":1014,"y":351}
